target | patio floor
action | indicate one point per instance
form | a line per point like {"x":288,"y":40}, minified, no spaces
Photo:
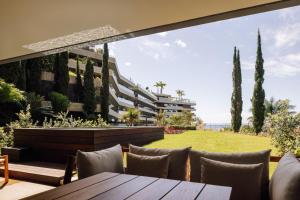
{"x":16,"y":189}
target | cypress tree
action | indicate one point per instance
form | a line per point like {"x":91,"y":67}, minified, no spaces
{"x":10,"y":72}
{"x":61,"y":73}
{"x":236,"y":98}
{"x":33,"y":75}
{"x":89,"y":101}
{"x":105,"y":85}
{"x":258,"y":98}
{"x":21,"y":82}
{"x":78,"y":87}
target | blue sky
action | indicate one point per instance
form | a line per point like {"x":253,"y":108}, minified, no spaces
{"x":198,"y":60}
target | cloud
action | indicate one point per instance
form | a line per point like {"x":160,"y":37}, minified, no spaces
{"x":156,"y":56}
{"x":293,"y":58}
{"x":282,"y":66}
{"x":247,"y":65}
{"x":287,"y":31}
{"x":288,"y":13}
{"x":288,"y":35}
{"x":163,"y":34}
{"x":180,"y":43}
{"x":128,"y":64}
{"x":155,"y":49}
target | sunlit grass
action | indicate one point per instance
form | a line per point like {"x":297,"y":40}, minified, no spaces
{"x":217,"y":142}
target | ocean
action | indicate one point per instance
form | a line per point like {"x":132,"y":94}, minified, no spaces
{"x":216,"y":127}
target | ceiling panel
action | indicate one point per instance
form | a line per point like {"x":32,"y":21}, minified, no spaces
{"x":33,"y":26}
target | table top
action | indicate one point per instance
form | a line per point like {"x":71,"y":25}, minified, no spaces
{"x":114,"y":186}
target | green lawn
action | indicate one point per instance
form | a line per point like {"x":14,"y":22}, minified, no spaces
{"x":216,"y":142}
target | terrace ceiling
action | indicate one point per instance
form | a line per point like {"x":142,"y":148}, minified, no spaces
{"x":32,"y":27}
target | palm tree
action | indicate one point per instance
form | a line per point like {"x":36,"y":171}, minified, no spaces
{"x":160,"y":118}
{"x":160,"y":85}
{"x":273,"y":107}
{"x":180,"y":93}
{"x":131,"y":116}
{"x":270,"y":106}
{"x":187,"y":117}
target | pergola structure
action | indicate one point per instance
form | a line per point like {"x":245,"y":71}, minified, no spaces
{"x":33,"y":28}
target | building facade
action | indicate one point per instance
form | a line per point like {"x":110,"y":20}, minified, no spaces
{"x":173,"y":105}
{"x":123,"y":93}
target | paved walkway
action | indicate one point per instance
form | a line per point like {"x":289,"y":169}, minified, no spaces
{"x":16,"y":189}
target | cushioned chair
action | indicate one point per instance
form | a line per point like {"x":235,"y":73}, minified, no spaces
{"x":153,"y":166}
{"x":69,"y":169}
{"x":177,"y":163}
{"x":106,"y":160}
{"x":233,"y":158}
{"x":245,"y":179}
{"x":285,"y":182}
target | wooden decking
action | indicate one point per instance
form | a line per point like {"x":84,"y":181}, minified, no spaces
{"x":39,"y":172}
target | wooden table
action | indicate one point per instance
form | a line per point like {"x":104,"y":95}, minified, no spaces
{"x":113,"y":186}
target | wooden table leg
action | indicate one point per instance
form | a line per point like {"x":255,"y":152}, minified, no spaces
{"x":6,"y":176}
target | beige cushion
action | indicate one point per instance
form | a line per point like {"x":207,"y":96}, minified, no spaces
{"x":107,"y":160}
{"x":178,"y":159}
{"x":235,"y":158}
{"x":154,"y":166}
{"x":285,"y":182}
{"x":245,"y":179}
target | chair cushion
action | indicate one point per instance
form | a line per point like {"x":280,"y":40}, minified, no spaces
{"x":154,"y":166}
{"x":177,"y":163}
{"x":245,"y":179}
{"x":106,"y":160}
{"x":235,"y":158}
{"x":285,"y":182}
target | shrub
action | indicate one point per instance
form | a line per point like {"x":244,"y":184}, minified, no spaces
{"x":38,"y":111}
{"x":247,"y":129}
{"x":60,"y":102}
{"x":9,"y":93}
{"x":34,"y":100}
{"x":6,"y":138}
{"x":11,"y":102}
{"x":226,"y":129}
{"x":284,"y":128}
{"x":172,"y":130}
{"x":184,"y":118}
{"x":24,"y":121}
{"x":183,"y":127}
{"x":63,"y":121}
{"x":72,"y":74}
{"x":131,"y":116}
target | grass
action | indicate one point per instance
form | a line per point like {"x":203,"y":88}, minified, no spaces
{"x":217,"y":142}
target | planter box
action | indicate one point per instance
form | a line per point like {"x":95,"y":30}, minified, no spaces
{"x":55,"y":144}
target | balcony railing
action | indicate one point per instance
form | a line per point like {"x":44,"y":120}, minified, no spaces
{"x":175,"y":100}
